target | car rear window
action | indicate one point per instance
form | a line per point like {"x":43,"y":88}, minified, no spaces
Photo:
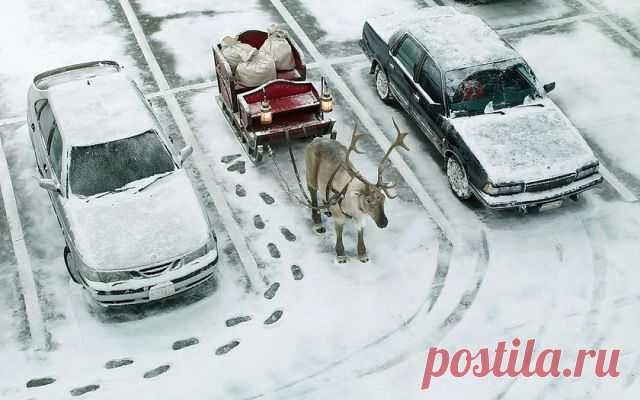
{"x":109,"y":166}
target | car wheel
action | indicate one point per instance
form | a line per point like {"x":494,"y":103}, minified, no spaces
{"x":458,"y":179}
{"x":382,"y":85}
{"x":67,"y":262}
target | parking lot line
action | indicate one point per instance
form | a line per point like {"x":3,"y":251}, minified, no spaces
{"x":208,"y":176}
{"x":549,"y":23}
{"x":23,"y":260}
{"x":401,"y":166}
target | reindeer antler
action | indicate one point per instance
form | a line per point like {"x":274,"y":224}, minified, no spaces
{"x":398,"y":142}
{"x":355,"y":137}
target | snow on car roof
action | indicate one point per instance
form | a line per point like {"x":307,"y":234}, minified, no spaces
{"x":99,"y":110}
{"x":455,"y":40}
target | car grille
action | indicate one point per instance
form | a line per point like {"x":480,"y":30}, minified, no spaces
{"x":157,"y":269}
{"x":548,"y":184}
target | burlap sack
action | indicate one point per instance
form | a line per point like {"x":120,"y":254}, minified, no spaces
{"x":258,"y":70}
{"x":278,"y":47}
{"x":236,"y":52}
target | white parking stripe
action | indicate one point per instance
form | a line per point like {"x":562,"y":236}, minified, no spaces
{"x":210,"y":181}
{"x":362,"y":114}
{"x":25,"y":273}
{"x":549,"y":23}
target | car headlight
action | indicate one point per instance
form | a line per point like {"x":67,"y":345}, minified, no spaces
{"x":88,"y":273}
{"x":117,"y":276}
{"x":492,"y":190}
{"x":587,"y":171}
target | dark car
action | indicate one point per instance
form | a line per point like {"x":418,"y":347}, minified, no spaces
{"x":503,"y":139}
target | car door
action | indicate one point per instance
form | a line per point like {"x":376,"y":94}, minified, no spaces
{"x":405,"y":56}
{"x":427,"y":101}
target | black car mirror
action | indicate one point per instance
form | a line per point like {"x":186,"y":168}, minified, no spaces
{"x":549,"y":87}
{"x":435,"y":108}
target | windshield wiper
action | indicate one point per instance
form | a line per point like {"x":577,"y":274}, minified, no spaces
{"x":156,"y":179}
{"x":530,"y":105}
{"x":118,"y":190}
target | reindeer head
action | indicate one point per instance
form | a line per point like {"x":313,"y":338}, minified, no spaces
{"x":372,"y":196}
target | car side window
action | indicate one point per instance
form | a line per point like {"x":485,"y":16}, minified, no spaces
{"x":430,"y":80}
{"x":55,"y":151}
{"x":45,"y":122}
{"x":409,"y":54}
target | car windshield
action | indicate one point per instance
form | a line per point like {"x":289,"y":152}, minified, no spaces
{"x":488,"y":88}
{"x":107,"y":167}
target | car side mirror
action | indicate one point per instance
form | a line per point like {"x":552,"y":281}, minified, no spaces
{"x":435,"y":108}
{"x":185,"y":153}
{"x":50,"y":185}
{"x":549,"y":87}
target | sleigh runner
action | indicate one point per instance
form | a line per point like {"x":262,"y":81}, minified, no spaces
{"x":280,"y":108}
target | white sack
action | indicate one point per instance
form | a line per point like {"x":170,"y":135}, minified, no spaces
{"x":278,"y":47}
{"x":258,"y":70}
{"x":236,"y":52}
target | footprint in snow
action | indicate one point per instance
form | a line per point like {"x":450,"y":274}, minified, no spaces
{"x":181,"y":344}
{"x":84,"y":389}
{"x":228,"y":158}
{"x":37,"y":382}
{"x":258,"y":222}
{"x":227,"y":347}
{"x":274,"y":317}
{"x":237,"y":166}
{"x":287,"y":234}
{"x":156,"y":371}
{"x":237,"y":320}
{"x":296,"y":271}
{"x":118,"y":363}
{"x":241,"y":191}
{"x":271,"y":292}
{"x":273,"y":250}
{"x":267,"y":198}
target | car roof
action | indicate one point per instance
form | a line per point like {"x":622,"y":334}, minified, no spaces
{"x":99,"y":110}
{"x":454,"y":40}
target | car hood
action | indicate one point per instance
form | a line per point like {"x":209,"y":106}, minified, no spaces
{"x":526,"y":144}
{"x":132,"y":229}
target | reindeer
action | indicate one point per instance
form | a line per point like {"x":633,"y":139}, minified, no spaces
{"x":347,"y":194}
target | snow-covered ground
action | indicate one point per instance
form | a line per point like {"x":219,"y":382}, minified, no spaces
{"x":566,"y":278}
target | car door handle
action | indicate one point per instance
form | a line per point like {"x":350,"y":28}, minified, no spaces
{"x":392,"y":66}
{"x":416,"y":97}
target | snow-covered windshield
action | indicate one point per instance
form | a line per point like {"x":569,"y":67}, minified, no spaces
{"x":105,"y":167}
{"x":485,"y":88}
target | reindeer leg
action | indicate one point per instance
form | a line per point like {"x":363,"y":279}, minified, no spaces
{"x":315,"y":214}
{"x":341,"y":257}
{"x":362,"y":250}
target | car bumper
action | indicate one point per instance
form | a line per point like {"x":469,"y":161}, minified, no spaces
{"x":529,"y":199}
{"x":136,"y":291}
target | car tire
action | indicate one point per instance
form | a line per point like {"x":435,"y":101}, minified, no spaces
{"x":67,"y":255}
{"x":382,"y":85}
{"x":458,"y":181}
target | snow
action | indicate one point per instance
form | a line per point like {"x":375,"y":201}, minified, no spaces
{"x":454,"y":40}
{"x":526,"y":144}
{"x":189,"y":39}
{"x":111,"y":107}
{"x":32,"y":43}
{"x":131,"y":229}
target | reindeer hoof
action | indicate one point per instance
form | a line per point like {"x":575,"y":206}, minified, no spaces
{"x":319,"y":228}
{"x":341,"y":259}
{"x":364,"y":259}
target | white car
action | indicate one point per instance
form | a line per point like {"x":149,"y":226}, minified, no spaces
{"x":134,"y":227}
